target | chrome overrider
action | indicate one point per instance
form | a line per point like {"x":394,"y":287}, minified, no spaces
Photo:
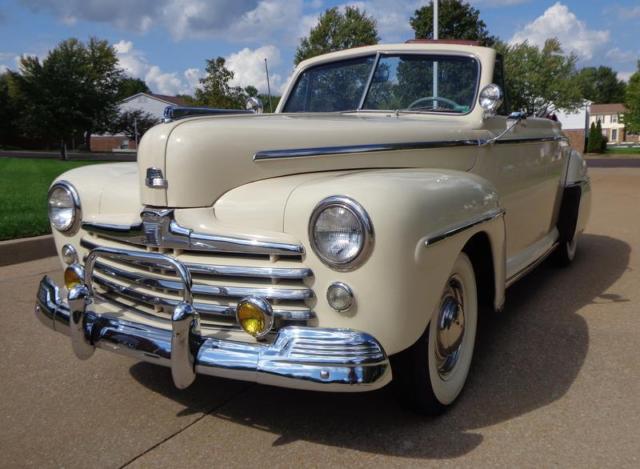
{"x":299,"y":357}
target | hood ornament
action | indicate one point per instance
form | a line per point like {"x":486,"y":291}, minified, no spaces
{"x":155,"y":179}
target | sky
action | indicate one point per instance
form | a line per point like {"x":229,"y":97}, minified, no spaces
{"x":167,"y":42}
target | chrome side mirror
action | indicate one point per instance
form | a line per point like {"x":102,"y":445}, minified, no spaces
{"x":490,"y":99}
{"x":517,"y":115}
{"x":255,"y":104}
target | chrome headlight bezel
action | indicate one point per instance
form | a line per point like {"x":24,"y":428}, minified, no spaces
{"x":76,"y":217}
{"x":366,"y":227}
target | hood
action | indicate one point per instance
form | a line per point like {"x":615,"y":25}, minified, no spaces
{"x":203,"y":158}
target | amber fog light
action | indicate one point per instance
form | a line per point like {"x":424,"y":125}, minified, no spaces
{"x":73,"y":276}
{"x":340,"y":296}
{"x":69,"y":254}
{"x":255,"y":316}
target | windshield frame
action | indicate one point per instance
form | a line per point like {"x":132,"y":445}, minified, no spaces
{"x":367,"y":87}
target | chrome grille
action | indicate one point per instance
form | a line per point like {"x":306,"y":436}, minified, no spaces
{"x":218,"y":283}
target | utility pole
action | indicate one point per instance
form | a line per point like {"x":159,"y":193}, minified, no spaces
{"x":435,"y":38}
{"x":266,"y":69}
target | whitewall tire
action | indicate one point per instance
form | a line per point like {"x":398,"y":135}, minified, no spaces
{"x":431,"y":374}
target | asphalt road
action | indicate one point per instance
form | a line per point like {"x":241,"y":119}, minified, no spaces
{"x":556,"y":382}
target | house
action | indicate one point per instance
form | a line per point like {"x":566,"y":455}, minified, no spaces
{"x":611,"y":119}
{"x":150,"y":103}
{"x":575,"y":125}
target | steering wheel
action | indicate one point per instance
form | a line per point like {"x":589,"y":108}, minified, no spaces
{"x":448,"y":101}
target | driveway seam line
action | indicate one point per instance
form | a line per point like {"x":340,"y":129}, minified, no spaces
{"x":177,"y":432}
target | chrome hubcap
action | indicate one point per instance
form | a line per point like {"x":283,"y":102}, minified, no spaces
{"x":450,"y":328}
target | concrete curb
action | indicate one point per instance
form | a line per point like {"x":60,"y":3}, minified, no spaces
{"x":15,"y":251}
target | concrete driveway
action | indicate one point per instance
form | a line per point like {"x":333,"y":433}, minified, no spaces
{"x":556,"y":382}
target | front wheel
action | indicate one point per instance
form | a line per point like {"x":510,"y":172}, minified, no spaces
{"x":430,"y":375}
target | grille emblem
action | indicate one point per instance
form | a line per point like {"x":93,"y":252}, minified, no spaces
{"x":155,"y":225}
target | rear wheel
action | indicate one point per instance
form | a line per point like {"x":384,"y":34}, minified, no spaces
{"x":430,"y":375}
{"x":567,"y":225}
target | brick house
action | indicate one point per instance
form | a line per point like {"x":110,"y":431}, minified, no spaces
{"x":153,"y":104}
{"x":612,"y":122}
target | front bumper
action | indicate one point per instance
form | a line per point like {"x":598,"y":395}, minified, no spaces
{"x":300,"y":357}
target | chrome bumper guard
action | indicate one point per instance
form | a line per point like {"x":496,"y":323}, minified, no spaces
{"x":299,"y":357}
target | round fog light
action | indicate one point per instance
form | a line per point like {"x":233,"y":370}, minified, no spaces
{"x":255,"y":316}
{"x":69,"y":254}
{"x":340,"y":296}
{"x":73,"y":276}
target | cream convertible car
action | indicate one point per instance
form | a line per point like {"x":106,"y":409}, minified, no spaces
{"x":345,"y":241}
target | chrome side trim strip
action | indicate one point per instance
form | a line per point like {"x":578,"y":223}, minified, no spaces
{"x":274,"y":292}
{"x":365,"y":148}
{"x":484,"y":218}
{"x":282,"y":273}
{"x":555,"y":138}
{"x":378,"y":147}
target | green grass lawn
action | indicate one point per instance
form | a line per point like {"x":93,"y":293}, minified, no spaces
{"x":23,"y":194}
{"x":624,"y":152}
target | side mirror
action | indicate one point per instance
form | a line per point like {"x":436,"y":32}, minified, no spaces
{"x":490,"y":99}
{"x":255,"y":104}
{"x":517,"y":115}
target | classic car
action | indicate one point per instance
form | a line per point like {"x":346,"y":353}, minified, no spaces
{"x":348,"y":240}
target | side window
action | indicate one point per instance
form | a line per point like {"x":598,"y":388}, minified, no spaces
{"x":498,"y":79}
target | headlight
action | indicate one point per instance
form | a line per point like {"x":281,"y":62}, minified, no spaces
{"x":341,"y":233}
{"x":64,"y":206}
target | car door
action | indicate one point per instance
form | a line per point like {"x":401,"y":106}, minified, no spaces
{"x":524,"y":166}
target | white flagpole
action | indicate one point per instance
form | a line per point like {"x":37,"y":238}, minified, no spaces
{"x":435,"y":37}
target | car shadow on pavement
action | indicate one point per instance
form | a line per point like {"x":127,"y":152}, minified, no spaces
{"x":527,"y":357}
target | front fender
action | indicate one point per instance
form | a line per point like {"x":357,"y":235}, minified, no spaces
{"x":399,"y":286}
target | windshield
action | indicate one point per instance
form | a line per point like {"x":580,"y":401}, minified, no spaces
{"x":404,"y":82}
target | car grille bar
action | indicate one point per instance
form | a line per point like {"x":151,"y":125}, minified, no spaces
{"x":281,"y":273}
{"x":219,"y":282}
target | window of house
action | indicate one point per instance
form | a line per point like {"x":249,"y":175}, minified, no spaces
{"x":614,"y":135}
{"x":614,"y":118}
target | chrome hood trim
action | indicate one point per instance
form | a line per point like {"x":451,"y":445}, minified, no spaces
{"x":159,"y":229}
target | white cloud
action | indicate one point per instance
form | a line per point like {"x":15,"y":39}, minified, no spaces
{"x":248,"y":67}
{"x":559,"y":22}
{"x":621,"y":56}
{"x":499,"y":3}
{"x":233,"y":20}
{"x":136,"y":64}
{"x":624,"y":76}
{"x":135,"y":15}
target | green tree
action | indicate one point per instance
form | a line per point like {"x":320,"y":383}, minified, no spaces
{"x":595,"y":139}
{"x":538,"y":80}
{"x":133,"y":124}
{"x":456,"y":20}
{"x":71,"y":93}
{"x":632,"y":102}
{"x":338,"y":30}
{"x":188,"y":99}
{"x":129,"y":86}
{"x":601,"y":85}
{"x":9,"y":111}
{"x":215,"y":89}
